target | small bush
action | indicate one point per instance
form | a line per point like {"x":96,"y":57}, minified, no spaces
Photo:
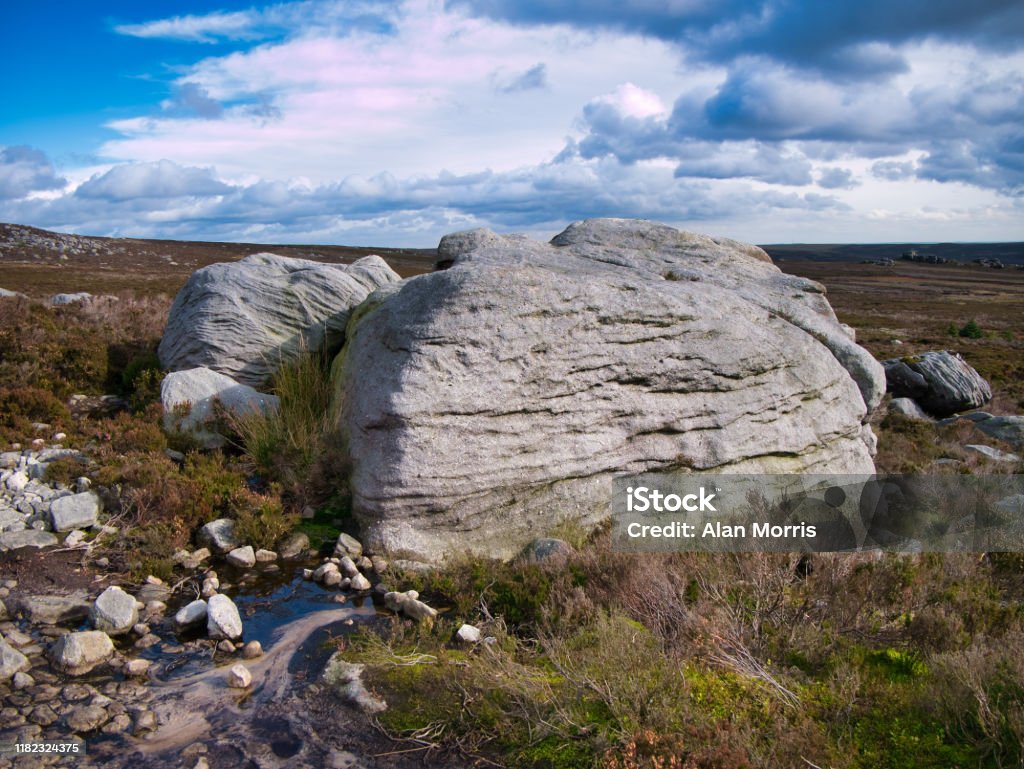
{"x":260,"y":520}
{"x":971,"y":330}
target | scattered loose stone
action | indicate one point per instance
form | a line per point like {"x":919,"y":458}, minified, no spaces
{"x":12,"y":540}
{"x":191,"y":614}
{"x":332,"y":578}
{"x":993,"y":453}
{"x":239,"y":677}
{"x":347,"y":566}
{"x":77,"y":511}
{"x":408,"y":603}
{"x":12,"y":661}
{"x":242,"y":557}
{"x":54,"y":609}
{"x":137,"y":667}
{"x":145,"y":721}
{"x":252,"y":650}
{"x":226,"y":647}
{"x":147,"y":640}
{"x":140,"y":628}
{"x":323,"y":570}
{"x":222,"y":619}
{"x":348,"y":545}
{"x":114,"y":612}
{"x":307,"y":574}
{"x":468,"y":634}
{"x":346,"y":678}
{"x":294,"y":546}
{"x":360,"y":583}
{"x":265,"y":556}
{"x":86,"y":718}
{"x":78,"y":653}
{"x":22,"y":681}
{"x":218,"y":536}
{"x":379,"y":564}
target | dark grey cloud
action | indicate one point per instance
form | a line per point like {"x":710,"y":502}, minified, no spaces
{"x":848,"y":38}
{"x":24,"y":170}
{"x":837,"y":179}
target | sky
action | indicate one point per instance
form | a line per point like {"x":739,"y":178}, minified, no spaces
{"x":391,"y":123}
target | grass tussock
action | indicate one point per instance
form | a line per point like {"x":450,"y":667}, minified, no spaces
{"x":296,"y":446}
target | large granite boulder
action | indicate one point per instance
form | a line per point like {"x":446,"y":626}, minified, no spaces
{"x":244,"y":318}
{"x":487,"y":402}
{"x":941,"y":382}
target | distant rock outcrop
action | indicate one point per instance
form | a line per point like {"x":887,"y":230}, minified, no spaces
{"x":941,"y":382}
{"x":487,"y":402}
{"x":244,"y":318}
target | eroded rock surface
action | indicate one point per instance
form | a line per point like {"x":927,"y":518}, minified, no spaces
{"x":244,"y":318}
{"x":489,"y":401}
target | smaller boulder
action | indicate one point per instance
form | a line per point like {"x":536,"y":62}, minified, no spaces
{"x":218,"y":536}
{"x":76,"y":511}
{"x":78,"y":653}
{"x":907,"y":408}
{"x":239,"y":677}
{"x":115,"y":612}
{"x":408,"y":603}
{"x":189,"y":398}
{"x":242,"y":557}
{"x":191,"y":615}
{"x":941,"y":382}
{"x":348,"y":545}
{"x":294,"y":546}
{"x":360,"y":583}
{"x":222,"y":618}
{"x":12,"y":661}
{"x":468,"y":634}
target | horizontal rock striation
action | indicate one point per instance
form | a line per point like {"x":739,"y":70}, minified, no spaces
{"x":244,"y":318}
{"x":485,"y":403}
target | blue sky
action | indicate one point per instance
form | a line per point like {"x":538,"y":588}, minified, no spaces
{"x":392,"y":123}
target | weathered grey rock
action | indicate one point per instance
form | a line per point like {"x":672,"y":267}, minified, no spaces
{"x":77,"y":653}
{"x":11,"y":661}
{"x":468,"y":634}
{"x":252,"y":650}
{"x":546,"y":549}
{"x":942,"y":383}
{"x":137,"y":667}
{"x":347,"y":566}
{"x":218,"y":536}
{"x":347,"y":680}
{"x":189,"y":397}
{"x":222,"y":619}
{"x":360,"y":583}
{"x":408,"y":603}
{"x":294,"y":546}
{"x":86,"y":718}
{"x":242,"y":557}
{"x":348,"y":545}
{"x":191,"y":614}
{"x":907,"y":408}
{"x":78,"y":297}
{"x":239,"y":677}
{"x":992,"y":453}
{"x":332,"y":578}
{"x":244,"y":318}
{"x":114,"y":612}
{"x":499,"y":397}
{"x":54,"y":609}
{"x":323,"y":570}
{"x":265,"y":556}
{"x":12,"y":540}
{"x":1009,"y":429}
{"x":77,"y":511}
